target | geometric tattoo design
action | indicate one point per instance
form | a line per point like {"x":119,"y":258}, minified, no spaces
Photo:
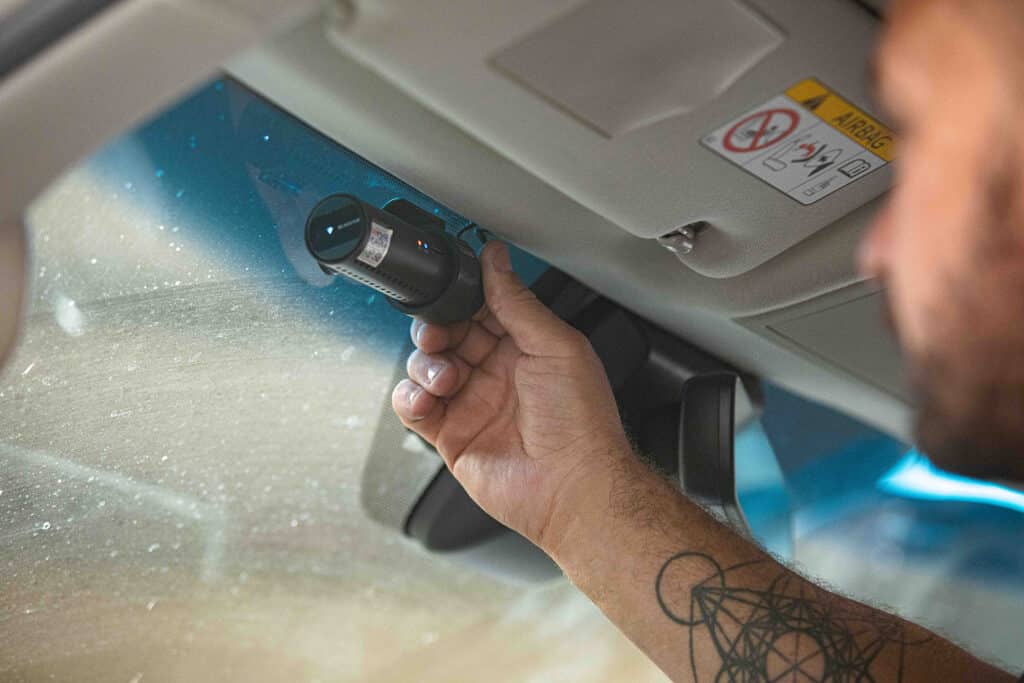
{"x":789,"y":631}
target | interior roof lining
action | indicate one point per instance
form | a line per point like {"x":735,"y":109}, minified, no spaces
{"x":34,"y":26}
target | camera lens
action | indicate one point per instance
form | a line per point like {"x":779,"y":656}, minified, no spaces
{"x":336,"y":228}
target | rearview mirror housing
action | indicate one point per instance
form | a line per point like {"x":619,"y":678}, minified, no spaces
{"x":713,"y":407}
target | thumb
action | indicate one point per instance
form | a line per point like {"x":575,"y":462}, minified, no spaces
{"x":533,"y":327}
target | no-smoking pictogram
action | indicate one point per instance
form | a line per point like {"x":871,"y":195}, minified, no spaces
{"x":761,"y":130}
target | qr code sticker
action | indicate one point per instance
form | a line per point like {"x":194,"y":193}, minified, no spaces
{"x":377,"y":246}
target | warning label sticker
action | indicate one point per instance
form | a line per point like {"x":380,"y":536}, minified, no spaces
{"x":808,"y":143}
{"x":377,"y":245}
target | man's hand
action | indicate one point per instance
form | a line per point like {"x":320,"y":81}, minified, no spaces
{"x":519,"y":406}
{"x":516,"y":402}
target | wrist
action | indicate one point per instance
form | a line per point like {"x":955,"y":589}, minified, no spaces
{"x":601,"y":498}
{"x":581,"y":491}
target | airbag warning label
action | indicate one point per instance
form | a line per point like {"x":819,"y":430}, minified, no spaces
{"x":807,"y":143}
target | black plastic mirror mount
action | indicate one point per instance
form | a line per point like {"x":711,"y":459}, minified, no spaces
{"x":707,"y":430}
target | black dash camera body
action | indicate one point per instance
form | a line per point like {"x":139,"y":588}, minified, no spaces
{"x":401,"y":251}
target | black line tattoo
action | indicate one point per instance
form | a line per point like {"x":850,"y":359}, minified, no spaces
{"x":789,"y":631}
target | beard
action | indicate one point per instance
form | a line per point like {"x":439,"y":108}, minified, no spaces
{"x":968,"y":383}
{"x":969,"y":422}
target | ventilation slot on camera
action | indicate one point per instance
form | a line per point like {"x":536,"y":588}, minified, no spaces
{"x":383,"y":289}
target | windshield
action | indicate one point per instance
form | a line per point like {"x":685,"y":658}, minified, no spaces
{"x":184,"y":424}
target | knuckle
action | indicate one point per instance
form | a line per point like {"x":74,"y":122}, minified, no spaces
{"x":517,"y":297}
{"x":446,"y":444}
{"x":450,"y":381}
{"x":498,"y":305}
{"x":576,"y":342}
{"x":524,"y":296}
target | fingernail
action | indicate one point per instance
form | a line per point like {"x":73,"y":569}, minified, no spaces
{"x":501,"y":261}
{"x":419,"y":332}
{"x":414,"y":394}
{"x":433,"y":370}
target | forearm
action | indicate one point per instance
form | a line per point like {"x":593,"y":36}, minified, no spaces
{"x":707,"y":605}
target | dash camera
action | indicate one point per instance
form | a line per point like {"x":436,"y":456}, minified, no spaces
{"x":401,"y":251}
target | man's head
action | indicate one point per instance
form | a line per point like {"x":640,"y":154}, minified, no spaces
{"x":950,"y":243}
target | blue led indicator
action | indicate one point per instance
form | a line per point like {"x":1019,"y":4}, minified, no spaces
{"x":426,"y":246}
{"x":330,"y":229}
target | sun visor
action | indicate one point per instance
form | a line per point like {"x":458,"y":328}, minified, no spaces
{"x":619,"y":69}
{"x":846,"y":329}
{"x":748,"y":118}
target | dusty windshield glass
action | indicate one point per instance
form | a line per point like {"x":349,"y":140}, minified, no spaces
{"x":183,"y":426}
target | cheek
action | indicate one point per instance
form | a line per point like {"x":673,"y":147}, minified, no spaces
{"x":927,"y":238}
{"x":907,"y":275}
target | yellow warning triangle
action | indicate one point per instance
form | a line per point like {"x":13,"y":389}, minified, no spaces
{"x":813,"y":103}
